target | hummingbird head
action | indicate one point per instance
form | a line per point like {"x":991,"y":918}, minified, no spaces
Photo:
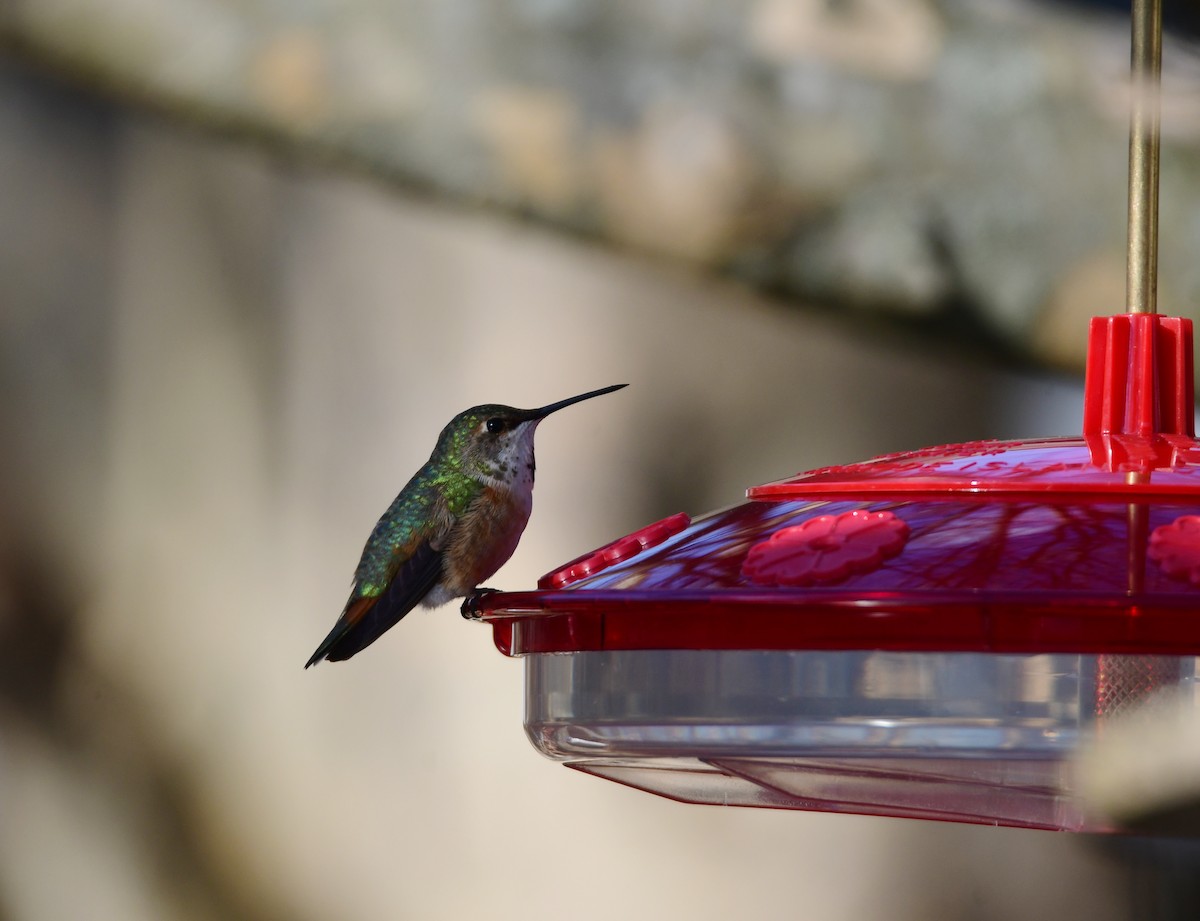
{"x":495,"y":443}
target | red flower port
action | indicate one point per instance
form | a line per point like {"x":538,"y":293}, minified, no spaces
{"x":826,"y":548}
{"x":1176,"y":548}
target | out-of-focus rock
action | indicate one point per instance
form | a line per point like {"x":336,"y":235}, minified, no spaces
{"x":1094,"y":286}
{"x":1140,"y":773}
{"x":904,"y":157}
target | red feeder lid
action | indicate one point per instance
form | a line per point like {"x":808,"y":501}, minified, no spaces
{"x":1079,"y":544}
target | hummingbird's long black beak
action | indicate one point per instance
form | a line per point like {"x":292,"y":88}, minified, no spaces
{"x":544,"y":411}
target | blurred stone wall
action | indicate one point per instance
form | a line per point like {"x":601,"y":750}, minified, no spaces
{"x":217,"y":369}
{"x":958,"y":164}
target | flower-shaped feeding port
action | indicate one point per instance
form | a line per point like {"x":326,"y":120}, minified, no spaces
{"x":1176,"y":548}
{"x":826,"y":548}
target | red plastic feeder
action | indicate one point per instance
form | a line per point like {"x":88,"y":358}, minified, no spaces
{"x":930,"y":634}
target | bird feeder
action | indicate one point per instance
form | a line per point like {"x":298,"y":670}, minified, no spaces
{"x":931,"y":634}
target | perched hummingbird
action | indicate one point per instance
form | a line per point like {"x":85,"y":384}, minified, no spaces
{"x":456,"y":522}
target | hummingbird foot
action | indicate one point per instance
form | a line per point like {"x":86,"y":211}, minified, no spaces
{"x":470,"y":606}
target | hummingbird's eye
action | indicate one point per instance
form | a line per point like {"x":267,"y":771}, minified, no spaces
{"x":496,"y":426}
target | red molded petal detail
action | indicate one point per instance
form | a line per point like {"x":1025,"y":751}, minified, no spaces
{"x":826,"y":548}
{"x":621,"y":549}
{"x":1176,"y":548}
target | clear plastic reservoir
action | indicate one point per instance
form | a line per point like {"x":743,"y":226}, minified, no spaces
{"x":976,"y":737}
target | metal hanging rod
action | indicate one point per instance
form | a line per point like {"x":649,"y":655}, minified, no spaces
{"x":1141,"y":285}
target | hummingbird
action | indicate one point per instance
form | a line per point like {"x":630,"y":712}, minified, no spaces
{"x":455,"y":523}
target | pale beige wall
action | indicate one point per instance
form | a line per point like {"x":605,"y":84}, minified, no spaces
{"x":279,"y":348}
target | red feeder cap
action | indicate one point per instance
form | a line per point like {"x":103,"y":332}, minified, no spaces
{"x":1139,"y":376}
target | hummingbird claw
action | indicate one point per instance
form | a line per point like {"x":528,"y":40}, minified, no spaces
{"x":470,"y":606}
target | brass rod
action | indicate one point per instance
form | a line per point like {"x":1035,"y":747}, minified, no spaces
{"x":1141,"y":286}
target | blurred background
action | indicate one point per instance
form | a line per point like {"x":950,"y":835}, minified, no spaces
{"x":255,"y":253}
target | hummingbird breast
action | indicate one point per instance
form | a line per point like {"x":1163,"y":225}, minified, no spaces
{"x":483,"y":540}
